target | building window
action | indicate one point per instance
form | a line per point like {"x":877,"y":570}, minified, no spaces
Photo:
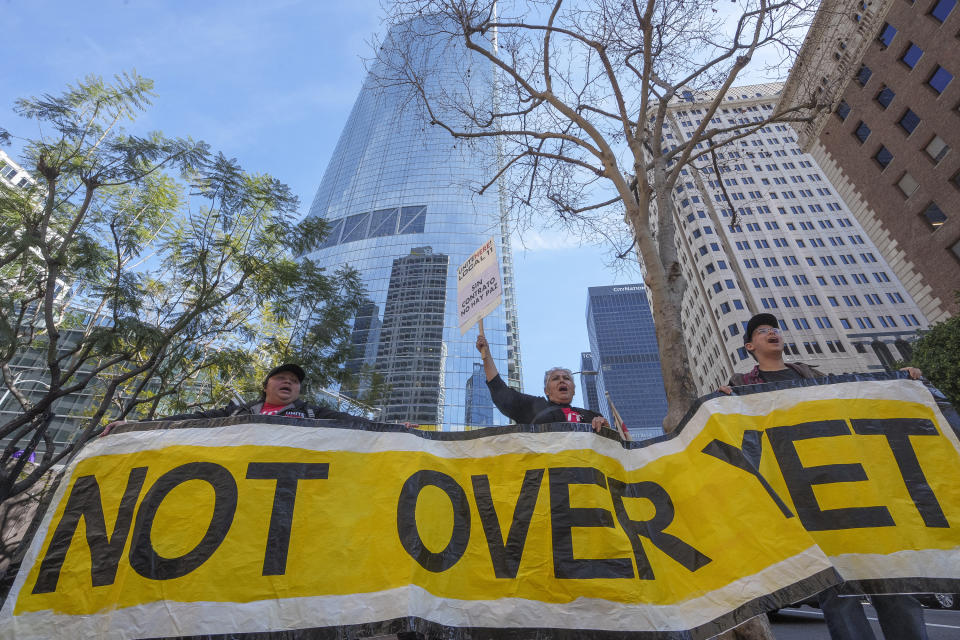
{"x":908,"y":184}
{"x":885,"y":97}
{"x":863,"y":75}
{"x":862,"y":132}
{"x":911,"y":56}
{"x":909,"y":121}
{"x":843,"y":110}
{"x":942,"y":9}
{"x":939,"y":79}
{"x":883,"y":157}
{"x":934,"y":215}
{"x":886,"y":34}
{"x":937,"y":149}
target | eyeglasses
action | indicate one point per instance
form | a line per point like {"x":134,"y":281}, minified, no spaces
{"x":765,"y":330}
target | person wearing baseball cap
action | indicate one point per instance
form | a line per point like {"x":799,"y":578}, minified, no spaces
{"x":280,"y":397}
{"x":900,"y":615}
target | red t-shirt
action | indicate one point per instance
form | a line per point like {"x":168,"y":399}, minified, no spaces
{"x":270,"y":409}
{"x":570,"y":414}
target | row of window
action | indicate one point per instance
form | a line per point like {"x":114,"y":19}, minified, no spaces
{"x":936,"y":148}
{"x":376,"y":224}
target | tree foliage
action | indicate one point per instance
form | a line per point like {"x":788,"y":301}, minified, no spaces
{"x":580,"y":106}
{"x":149,"y":272}
{"x":937,"y":354}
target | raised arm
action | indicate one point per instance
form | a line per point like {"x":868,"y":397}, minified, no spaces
{"x":489,"y":367}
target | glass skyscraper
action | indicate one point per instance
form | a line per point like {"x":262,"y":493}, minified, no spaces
{"x":625,"y":353}
{"x":401,"y":198}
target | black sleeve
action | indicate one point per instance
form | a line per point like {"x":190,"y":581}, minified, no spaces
{"x":519,"y":407}
{"x":325,"y":413}
{"x":222,"y":412}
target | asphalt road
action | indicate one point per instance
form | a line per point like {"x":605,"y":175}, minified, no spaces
{"x":807,"y":623}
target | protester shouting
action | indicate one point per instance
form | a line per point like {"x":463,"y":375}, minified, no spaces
{"x":900,"y":616}
{"x":280,"y":397}
{"x":558,"y":387}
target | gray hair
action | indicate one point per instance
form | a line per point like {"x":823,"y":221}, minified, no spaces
{"x":546,"y":376}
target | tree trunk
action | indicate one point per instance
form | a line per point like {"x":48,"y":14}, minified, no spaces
{"x":666,"y":299}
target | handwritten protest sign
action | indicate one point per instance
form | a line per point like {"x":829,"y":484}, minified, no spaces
{"x":258,"y":525}
{"x":478,"y":286}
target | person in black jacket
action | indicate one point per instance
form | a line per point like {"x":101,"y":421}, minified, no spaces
{"x":280,"y":397}
{"x":558,"y":386}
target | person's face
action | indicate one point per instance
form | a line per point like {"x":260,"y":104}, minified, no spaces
{"x":560,"y":387}
{"x":282,"y":388}
{"x":766,"y":341}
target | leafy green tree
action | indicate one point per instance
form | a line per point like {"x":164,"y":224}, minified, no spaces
{"x":150,"y":273}
{"x":937,"y":354}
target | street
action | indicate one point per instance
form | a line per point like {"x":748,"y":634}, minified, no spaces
{"x":806,"y":623}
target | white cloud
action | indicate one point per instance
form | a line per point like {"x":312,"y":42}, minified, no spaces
{"x":536,"y":240}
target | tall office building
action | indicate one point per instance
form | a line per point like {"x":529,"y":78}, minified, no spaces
{"x":400,"y":196}
{"x":796,"y":251}
{"x":891,"y":145}
{"x":410,"y":352}
{"x":479,"y":409}
{"x":588,"y":382}
{"x":624,"y":350}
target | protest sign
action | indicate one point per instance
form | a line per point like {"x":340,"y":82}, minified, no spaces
{"x":257,"y":524}
{"x":478,"y":286}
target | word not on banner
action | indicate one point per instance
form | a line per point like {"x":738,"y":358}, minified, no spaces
{"x":256,"y":524}
{"x":478,"y":286}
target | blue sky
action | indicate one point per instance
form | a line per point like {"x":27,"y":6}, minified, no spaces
{"x":271,"y":83}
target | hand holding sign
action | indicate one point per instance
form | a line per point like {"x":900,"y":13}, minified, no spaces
{"x":478,"y":286}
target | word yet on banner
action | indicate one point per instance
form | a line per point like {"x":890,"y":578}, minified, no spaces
{"x":478,"y":286}
{"x":759,"y":500}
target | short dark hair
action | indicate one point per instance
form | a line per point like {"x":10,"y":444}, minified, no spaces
{"x":756,"y":321}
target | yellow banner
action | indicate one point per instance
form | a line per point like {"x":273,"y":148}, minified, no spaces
{"x":272,"y":524}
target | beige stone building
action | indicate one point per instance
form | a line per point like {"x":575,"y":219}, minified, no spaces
{"x":796,"y":251}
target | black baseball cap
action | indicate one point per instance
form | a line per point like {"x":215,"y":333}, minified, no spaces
{"x":756,"y":321}
{"x":295,"y":369}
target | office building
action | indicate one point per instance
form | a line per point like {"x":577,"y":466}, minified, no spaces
{"x":588,"y":383}
{"x":796,"y":251}
{"x":410,"y":352}
{"x":12,"y":174}
{"x":890,"y":145}
{"x":479,"y":409}
{"x":401,"y":198}
{"x":624,"y":350}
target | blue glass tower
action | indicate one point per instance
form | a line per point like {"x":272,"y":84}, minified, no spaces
{"x":401,"y":198}
{"x":624,"y":349}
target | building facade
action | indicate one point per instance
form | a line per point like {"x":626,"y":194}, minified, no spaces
{"x":891,"y":142}
{"x":401,"y":198}
{"x":796,"y":251}
{"x":588,"y":383}
{"x":623,"y":345}
{"x":479,"y":410}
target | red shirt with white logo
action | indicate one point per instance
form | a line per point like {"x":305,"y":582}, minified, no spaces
{"x":270,"y":409}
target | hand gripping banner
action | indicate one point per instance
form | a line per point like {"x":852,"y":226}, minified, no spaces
{"x":263,"y":526}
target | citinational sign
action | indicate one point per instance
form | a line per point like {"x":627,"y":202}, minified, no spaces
{"x":478,"y":286}
{"x":260,"y":524}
